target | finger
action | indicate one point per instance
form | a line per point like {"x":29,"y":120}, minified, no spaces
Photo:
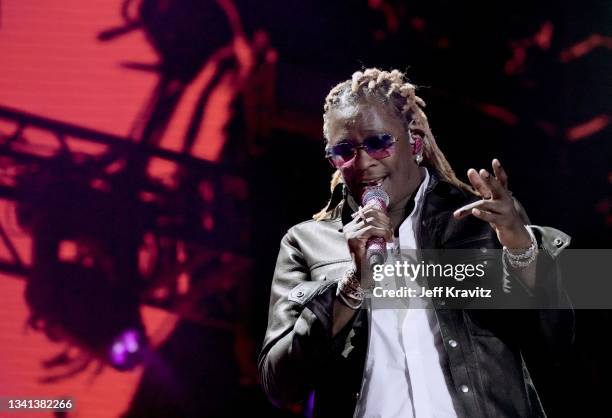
{"x":500,"y":173}
{"x":497,"y":190}
{"x":489,"y":205}
{"x":367,"y":209}
{"x":478,"y":183}
{"x":364,"y":231}
{"x":485,"y":216}
{"x":359,"y":223}
{"x":378,"y":215}
{"x":375,"y":222}
{"x":466,"y":210}
{"x":360,"y":212}
{"x":374,"y":231}
{"x":354,"y":225}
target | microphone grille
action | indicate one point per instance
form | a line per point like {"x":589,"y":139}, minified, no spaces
{"x":377,"y":194}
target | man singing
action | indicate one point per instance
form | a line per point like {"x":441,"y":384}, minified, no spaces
{"x":422,"y":363}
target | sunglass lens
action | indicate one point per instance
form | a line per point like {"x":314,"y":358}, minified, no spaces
{"x":341,"y":153}
{"x":379,"y":146}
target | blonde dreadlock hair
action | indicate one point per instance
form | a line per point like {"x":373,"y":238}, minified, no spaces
{"x":392,"y":88}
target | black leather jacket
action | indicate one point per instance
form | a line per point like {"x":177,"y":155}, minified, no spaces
{"x":299,"y":354}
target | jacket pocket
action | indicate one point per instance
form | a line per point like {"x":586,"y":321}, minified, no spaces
{"x":322,"y":276}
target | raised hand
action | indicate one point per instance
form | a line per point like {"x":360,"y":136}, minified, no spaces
{"x":496,"y":207}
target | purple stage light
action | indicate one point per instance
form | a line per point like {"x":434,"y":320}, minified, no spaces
{"x":126,"y":350}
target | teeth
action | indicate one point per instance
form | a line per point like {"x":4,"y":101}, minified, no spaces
{"x":374,"y":182}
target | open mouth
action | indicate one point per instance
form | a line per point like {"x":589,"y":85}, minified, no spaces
{"x":373,"y":182}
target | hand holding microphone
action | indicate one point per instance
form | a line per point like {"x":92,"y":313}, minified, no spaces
{"x":370,"y":229}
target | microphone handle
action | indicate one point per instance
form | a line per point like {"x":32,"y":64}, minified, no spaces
{"x":376,"y":247}
{"x":376,"y":251}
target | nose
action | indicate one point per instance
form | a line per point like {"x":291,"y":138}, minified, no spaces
{"x":363,"y":160}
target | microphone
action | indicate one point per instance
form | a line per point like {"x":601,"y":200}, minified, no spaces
{"x":376,"y":247}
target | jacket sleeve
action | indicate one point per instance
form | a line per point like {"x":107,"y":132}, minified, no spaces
{"x":551,"y":316}
{"x":298,"y":341}
{"x":554,"y":330}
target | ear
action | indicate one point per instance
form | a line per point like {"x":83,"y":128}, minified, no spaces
{"x":416,"y":141}
{"x":416,"y":130}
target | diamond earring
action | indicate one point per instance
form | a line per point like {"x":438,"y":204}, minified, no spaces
{"x":416,"y":143}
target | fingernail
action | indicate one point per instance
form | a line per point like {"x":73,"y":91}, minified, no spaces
{"x":476,"y":211}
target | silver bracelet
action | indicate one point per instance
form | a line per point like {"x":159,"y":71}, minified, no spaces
{"x":526,"y":257}
{"x":349,"y":290}
{"x":346,"y":302}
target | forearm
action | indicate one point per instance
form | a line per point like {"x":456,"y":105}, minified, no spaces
{"x":527,"y":275}
{"x":342,"y":312}
{"x":342,"y":316}
{"x":551,"y":317}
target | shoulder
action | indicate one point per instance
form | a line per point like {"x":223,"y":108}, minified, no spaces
{"x":314,"y":229}
{"x":318,"y":242}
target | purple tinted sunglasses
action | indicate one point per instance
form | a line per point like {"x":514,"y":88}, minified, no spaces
{"x":377,"y":146}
